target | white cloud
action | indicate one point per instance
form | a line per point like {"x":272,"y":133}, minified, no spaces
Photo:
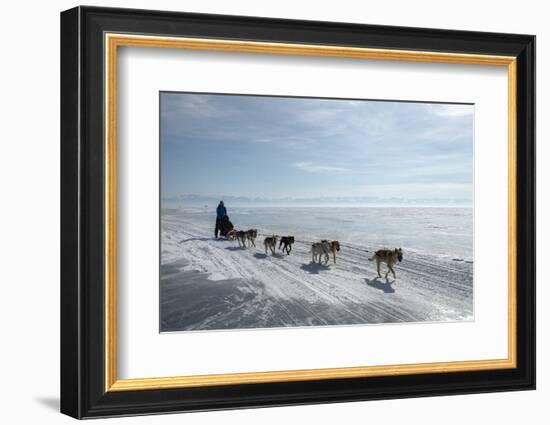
{"x":312,"y":167}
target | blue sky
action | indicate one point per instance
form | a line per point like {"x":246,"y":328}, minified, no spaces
{"x":283,"y":147}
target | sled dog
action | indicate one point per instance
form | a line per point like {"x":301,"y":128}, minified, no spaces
{"x":319,"y":249}
{"x":286,"y":243}
{"x":241,"y":238}
{"x":270,"y":242}
{"x":388,"y":256}
{"x":333,"y":247}
{"x":251,"y":235}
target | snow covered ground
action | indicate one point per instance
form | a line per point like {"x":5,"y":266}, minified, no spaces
{"x":214,"y":284}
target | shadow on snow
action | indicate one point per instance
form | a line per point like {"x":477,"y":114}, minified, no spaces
{"x":314,"y":268}
{"x":383,"y":286}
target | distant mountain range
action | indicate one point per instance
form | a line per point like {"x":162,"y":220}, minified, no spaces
{"x":193,"y":199}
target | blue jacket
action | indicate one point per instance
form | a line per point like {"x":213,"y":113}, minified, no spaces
{"x":221,"y":212}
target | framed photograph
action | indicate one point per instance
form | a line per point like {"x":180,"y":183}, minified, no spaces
{"x":261,"y":212}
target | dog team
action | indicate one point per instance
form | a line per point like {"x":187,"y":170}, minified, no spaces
{"x":319,"y":250}
{"x":270,"y":242}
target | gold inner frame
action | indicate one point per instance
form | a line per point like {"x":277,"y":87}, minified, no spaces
{"x":113,"y":41}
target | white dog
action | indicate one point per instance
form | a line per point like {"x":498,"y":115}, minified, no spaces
{"x":319,"y":249}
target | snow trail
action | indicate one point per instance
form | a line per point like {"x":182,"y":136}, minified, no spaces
{"x":215,"y":284}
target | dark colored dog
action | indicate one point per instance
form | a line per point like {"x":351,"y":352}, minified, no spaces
{"x":251,"y":236}
{"x":286,"y":243}
{"x":241,"y":238}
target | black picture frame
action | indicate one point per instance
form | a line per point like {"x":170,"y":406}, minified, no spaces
{"x":83,"y":392}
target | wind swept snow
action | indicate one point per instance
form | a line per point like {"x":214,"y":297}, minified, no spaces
{"x":215,"y":284}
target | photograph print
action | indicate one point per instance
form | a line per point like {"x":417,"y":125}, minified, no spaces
{"x":280,"y":211}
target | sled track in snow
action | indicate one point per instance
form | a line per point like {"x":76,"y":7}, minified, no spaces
{"x":214,"y":284}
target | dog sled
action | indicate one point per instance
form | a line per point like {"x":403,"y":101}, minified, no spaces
{"x":227,"y":230}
